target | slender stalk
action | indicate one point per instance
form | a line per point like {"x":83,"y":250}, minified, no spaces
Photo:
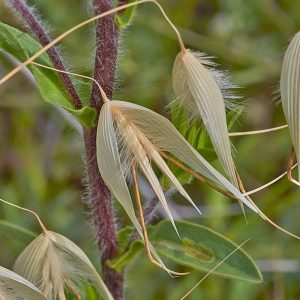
{"x":100,"y":199}
{"x":144,"y":228}
{"x":196,"y":175}
{"x":290,"y":167}
{"x":37,"y":29}
{"x":213,"y":269}
{"x":28,"y":210}
{"x":103,"y":95}
{"x":149,"y":215}
{"x":263,"y":216}
{"x":257,"y":131}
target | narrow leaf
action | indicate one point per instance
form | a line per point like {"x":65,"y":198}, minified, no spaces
{"x":125,"y":17}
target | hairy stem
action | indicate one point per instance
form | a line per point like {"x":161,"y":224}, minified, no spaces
{"x":26,"y":13}
{"x":103,"y":216}
{"x":107,"y":36}
{"x":107,"y":41}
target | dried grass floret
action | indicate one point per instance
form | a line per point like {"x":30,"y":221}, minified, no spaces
{"x":53,"y":263}
{"x":15,"y":287}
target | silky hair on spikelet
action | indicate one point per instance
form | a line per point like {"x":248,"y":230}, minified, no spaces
{"x":221,"y":77}
{"x":195,"y":85}
{"x":290,"y":93}
{"x":53,"y":263}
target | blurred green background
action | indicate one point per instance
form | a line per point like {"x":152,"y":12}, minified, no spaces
{"x":41,"y":164}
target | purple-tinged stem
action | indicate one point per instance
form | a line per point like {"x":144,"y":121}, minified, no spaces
{"x":107,"y":36}
{"x":26,"y":13}
{"x":107,"y":42}
{"x":103,"y":216}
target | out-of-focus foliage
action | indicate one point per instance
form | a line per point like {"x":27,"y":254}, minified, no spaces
{"x":40,"y":153}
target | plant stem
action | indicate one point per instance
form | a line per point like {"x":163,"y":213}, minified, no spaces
{"x":27,"y":14}
{"x":107,"y":42}
{"x":103,"y":216}
{"x":107,"y":36}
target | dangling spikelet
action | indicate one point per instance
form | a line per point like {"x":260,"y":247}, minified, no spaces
{"x":129,"y":134}
{"x":290,"y":92}
{"x":199,"y":93}
{"x":197,"y":90}
{"x":53,"y":263}
{"x":15,"y":287}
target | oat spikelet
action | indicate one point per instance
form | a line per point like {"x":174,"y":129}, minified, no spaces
{"x":15,"y":287}
{"x":131,"y":135}
{"x":53,"y":263}
{"x":198,"y":91}
{"x":290,"y":92}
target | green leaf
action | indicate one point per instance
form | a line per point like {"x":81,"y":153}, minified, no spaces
{"x":90,"y":293}
{"x":123,"y":260}
{"x":123,"y":237}
{"x":124,"y":17}
{"x":199,"y":249}
{"x":22,"y":46}
{"x":126,"y":256}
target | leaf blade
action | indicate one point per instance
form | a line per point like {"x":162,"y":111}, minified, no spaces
{"x":200,"y":249}
{"x":212,"y":243}
{"x":22,"y":46}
